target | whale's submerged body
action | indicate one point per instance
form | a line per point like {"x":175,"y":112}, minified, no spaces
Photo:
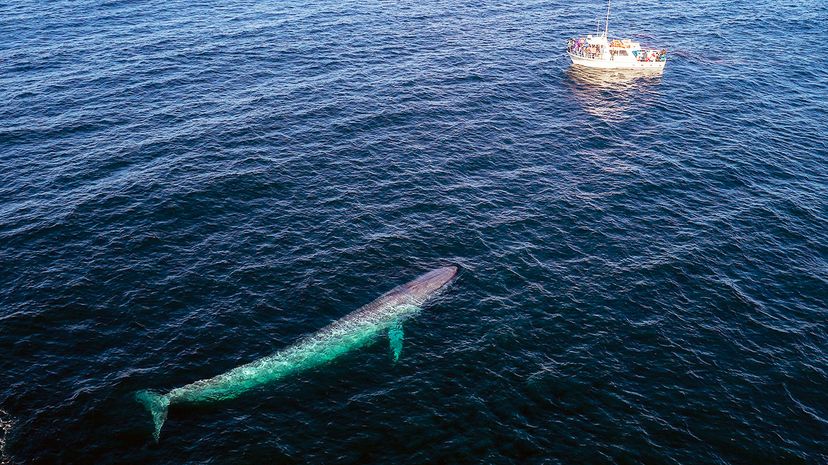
{"x":350,"y":332}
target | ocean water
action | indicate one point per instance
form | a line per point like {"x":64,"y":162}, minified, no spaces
{"x":188,"y":186}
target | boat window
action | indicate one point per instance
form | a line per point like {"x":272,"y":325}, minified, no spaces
{"x":622,"y":52}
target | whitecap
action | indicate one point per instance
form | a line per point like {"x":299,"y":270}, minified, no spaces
{"x":5,"y":427}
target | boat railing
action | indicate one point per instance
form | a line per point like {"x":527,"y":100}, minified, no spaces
{"x":578,"y":48}
{"x":582,"y":49}
{"x":650,"y":55}
{"x":583,"y":54}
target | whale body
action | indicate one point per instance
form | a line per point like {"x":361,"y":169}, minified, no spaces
{"x":350,"y":332}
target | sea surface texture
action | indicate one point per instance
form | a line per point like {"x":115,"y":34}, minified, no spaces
{"x":186,"y":187}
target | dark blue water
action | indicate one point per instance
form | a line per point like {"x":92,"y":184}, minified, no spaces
{"x":189,"y":186}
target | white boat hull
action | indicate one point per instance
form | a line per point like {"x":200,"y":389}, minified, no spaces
{"x":616,"y":64}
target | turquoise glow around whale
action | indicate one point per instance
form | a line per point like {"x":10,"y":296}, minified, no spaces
{"x":353,"y":331}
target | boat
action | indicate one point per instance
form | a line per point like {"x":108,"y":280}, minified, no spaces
{"x":598,"y":51}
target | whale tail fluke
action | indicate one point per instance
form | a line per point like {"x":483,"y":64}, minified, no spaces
{"x":157,"y":405}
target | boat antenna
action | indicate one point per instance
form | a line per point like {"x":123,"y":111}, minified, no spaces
{"x":606,"y":27}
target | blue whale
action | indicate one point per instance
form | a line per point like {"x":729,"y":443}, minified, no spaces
{"x":355,"y":330}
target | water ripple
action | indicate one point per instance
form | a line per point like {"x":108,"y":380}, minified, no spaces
{"x":185,"y":187}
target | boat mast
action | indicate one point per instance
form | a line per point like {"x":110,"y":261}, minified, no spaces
{"x":606,"y":27}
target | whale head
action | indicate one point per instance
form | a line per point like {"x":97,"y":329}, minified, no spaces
{"x":428,"y":284}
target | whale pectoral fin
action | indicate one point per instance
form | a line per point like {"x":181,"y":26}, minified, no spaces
{"x":395,"y":338}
